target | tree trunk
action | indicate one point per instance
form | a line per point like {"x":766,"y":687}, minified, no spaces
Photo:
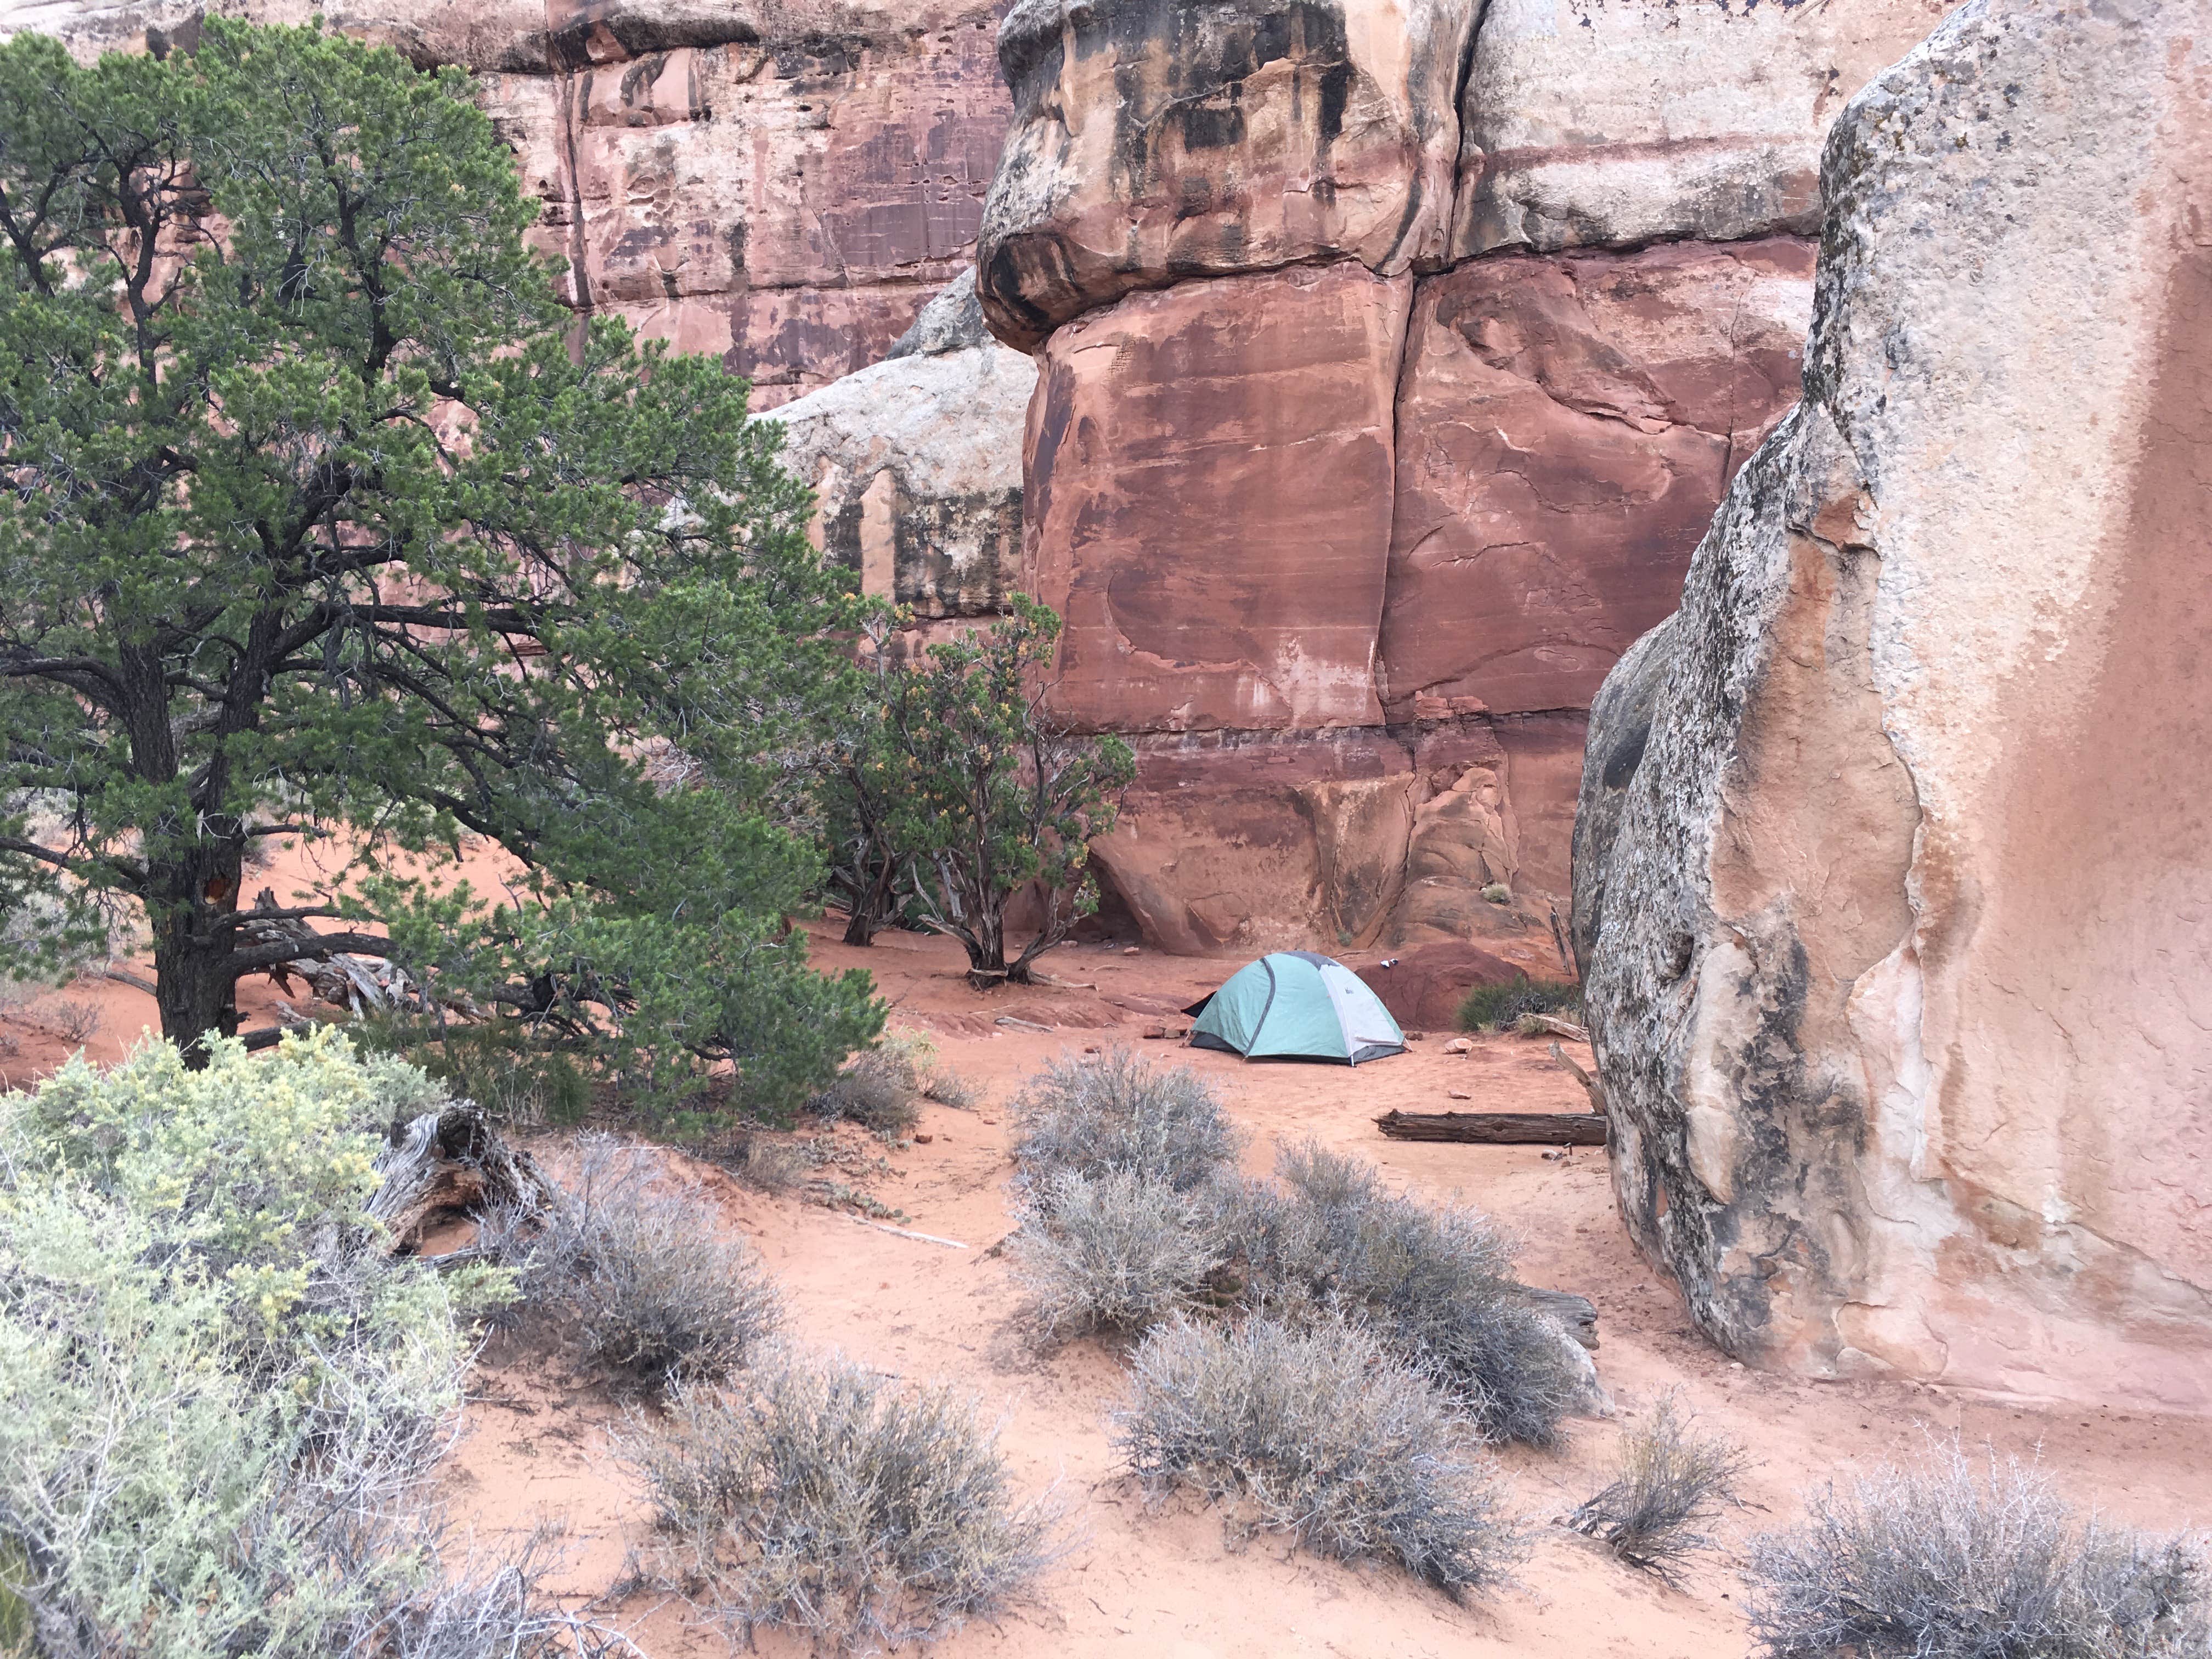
{"x":987,"y":949}
{"x":194,"y":985}
{"x":873,"y":902}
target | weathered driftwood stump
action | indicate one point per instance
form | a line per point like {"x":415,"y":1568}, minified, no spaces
{"x":449,"y":1161}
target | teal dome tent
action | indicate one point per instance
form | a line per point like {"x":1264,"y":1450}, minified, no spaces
{"x":1294,"y":1005}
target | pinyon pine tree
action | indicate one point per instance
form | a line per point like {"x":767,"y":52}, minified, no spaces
{"x":323,"y":519}
{"x":985,"y":794}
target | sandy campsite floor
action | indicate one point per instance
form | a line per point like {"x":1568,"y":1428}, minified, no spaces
{"x":535,"y":1448}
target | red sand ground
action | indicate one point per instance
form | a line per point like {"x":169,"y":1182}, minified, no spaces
{"x":1171,"y":1582}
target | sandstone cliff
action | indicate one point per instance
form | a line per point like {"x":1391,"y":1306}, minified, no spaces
{"x":1393,"y":354}
{"x":916,"y":462}
{"x":780,"y":182}
{"x":1891,"y":869}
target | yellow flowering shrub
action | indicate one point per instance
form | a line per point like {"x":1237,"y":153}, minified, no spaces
{"x":224,"y":1400}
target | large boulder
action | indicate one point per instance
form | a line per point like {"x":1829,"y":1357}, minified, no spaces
{"x":916,"y":462}
{"x":1617,"y":123}
{"x":1423,"y":989}
{"x":1566,"y":427}
{"x":1155,"y":140}
{"x":1900,"y":963}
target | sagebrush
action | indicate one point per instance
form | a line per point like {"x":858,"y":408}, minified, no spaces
{"x":226,"y":1399}
{"x":1434,"y":1284}
{"x":1118,"y":1111}
{"x":1318,"y":1432}
{"x":1669,"y":1484}
{"x":1960,"y":1557}
{"x":626,"y":1249}
{"x":822,"y":1496}
{"x":881,"y":1090}
{"x":1114,"y":1252}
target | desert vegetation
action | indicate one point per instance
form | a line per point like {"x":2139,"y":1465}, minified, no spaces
{"x":1317,"y":1431}
{"x":317,"y":529}
{"x":1671,"y":1483}
{"x":1134,"y":1212}
{"x":1119,"y":1112}
{"x":1325,"y":1357}
{"x":227,"y":1396}
{"x":950,"y":789}
{"x":1498,"y":1007}
{"x":883,"y":1089}
{"x":816,"y":1494}
{"x":621,"y":1251}
{"x":1964,"y":1557}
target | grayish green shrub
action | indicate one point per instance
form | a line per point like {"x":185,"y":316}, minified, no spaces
{"x":948,"y":1088}
{"x":765,"y":1163}
{"x":627,"y":1250}
{"x":1316,"y":1431}
{"x":826,"y":1498}
{"x":1950,"y":1561}
{"x":1119,"y":1112}
{"x":1114,"y":1252}
{"x":225,"y":1402}
{"x":1668,"y":1488}
{"x":880,"y":1090}
{"x":1434,"y":1284}
{"x":1501,"y":1005}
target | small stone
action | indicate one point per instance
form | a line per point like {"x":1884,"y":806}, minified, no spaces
{"x":1131,"y":951}
{"x":923,"y":1140}
{"x":1416,"y":1036}
{"x":1460,"y":1045}
{"x":1089,"y":1048}
{"x":1155,"y":1030}
{"x":1457,"y":1094}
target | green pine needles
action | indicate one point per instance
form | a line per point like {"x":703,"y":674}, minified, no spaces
{"x":953,"y":790}
{"x":325,"y":519}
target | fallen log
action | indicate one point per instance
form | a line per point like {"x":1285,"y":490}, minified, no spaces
{"x":1552,"y":1025}
{"x":1589,"y":1084}
{"x":1496,"y":1129}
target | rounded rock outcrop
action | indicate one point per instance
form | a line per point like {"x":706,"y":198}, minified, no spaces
{"x":1891,"y":897}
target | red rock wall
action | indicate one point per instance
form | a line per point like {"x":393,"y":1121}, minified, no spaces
{"x":1345,"y":534}
{"x":1349,"y":512}
{"x":1566,"y":425}
{"x":790,"y":205}
{"x":784,"y":183}
{"x":1208,"y":474}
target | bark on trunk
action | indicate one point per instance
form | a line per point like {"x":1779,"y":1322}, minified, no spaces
{"x":195,"y":984}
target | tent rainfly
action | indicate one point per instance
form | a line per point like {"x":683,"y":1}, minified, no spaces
{"x":1294,"y":1005}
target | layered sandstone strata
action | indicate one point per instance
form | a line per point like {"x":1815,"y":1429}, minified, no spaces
{"x":782,"y":183}
{"x":1160,"y":139}
{"x":1348,"y":514}
{"x":1567,"y":426}
{"x":1599,"y":124}
{"x":1891,"y":871}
